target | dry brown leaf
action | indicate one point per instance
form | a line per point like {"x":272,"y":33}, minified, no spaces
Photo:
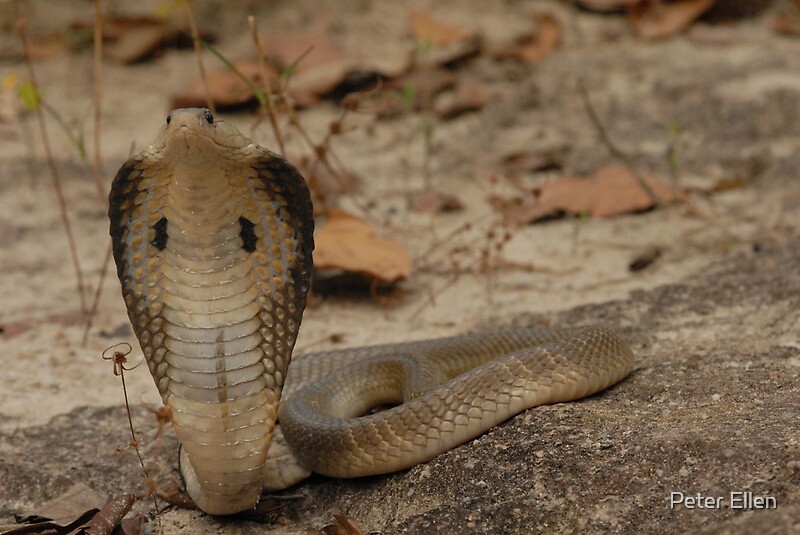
{"x":450,"y":55}
{"x":134,"y":525}
{"x":315,"y":46}
{"x":436,"y":33}
{"x":29,"y":527}
{"x":322,"y":68}
{"x":348,"y":243}
{"x":110,"y":515}
{"x":656,"y":19}
{"x":307,"y":86}
{"x":731,"y":10}
{"x":787,"y":23}
{"x":468,"y":95}
{"x":543,"y":43}
{"x":518,"y":162}
{"x":226,"y":87}
{"x":605,"y":6}
{"x":425,"y":85}
{"x":172,"y":494}
{"x":70,"y":504}
{"x":63,"y":514}
{"x":610,"y":190}
{"x":137,"y":39}
{"x":388,"y":65}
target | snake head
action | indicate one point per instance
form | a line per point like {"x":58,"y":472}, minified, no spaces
{"x":192,"y":134}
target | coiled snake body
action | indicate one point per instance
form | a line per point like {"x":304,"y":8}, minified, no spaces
{"x":212,"y":237}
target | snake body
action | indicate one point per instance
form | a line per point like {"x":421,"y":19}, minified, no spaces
{"x":212,"y":237}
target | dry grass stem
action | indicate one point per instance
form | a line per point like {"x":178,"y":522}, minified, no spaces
{"x":57,"y":186}
{"x":97,"y":165}
{"x":198,"y":50}
{"x":96,"y":299}
{"x":270,"y":101}
{"x":615,"y":151}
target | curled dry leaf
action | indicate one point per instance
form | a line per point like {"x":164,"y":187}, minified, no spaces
{"x":306,"y":86}
{"x":420,"y":88}
{"x":467,"y":95}
{"x":309,"y":85}
{"x":655,"y":19}
{"x":350,"y":244}
{"x":110,"y":515}
{"x":611,"y":190}
{"x":535,"y":49}
{"x":440,"y":44}
{"x":520,"y":162}
{"x":63,"y":514}
{"x":343,"y":525}
{"x":427,"y":30}
{"x":318,"y":69}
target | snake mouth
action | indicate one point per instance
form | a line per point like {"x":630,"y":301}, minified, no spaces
{"x":186,"y":138}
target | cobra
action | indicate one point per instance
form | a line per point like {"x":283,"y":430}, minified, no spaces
{"x":213,"y":237}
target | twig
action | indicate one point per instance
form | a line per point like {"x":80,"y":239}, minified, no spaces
{"x":120,"y":358}
{"x":431,"y":299}
{"x":96,"y":300}
{"x":62,"y":202}
{"x":97,"y":165}
{"x":612,"y":148}
{"x":199,"y":53}
{"x":270,"y":101}
{"x":260,"y":96}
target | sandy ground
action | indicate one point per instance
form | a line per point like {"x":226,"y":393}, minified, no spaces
{"x":713,"y":320}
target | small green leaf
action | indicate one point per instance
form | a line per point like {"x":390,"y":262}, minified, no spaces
{"x":408,"y":93}
{"x":675,"y":128}
{"x":29,"y":96}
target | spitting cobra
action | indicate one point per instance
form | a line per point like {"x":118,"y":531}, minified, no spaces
{"x":213,"y":237}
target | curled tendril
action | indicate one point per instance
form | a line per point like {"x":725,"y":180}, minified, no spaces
{"x":118,"y":354}
{"x":132,"y":444}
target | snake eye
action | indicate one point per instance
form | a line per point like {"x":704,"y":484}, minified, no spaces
{"x":169,"y":118}
{"x":209,"y":118}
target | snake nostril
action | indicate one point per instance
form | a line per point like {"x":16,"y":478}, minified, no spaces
{"x":169,"y":118}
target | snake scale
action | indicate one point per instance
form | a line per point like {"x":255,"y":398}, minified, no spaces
{"x":213,"y":237}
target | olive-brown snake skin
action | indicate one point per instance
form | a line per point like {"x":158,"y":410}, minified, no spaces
{"x":212,"y":237}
